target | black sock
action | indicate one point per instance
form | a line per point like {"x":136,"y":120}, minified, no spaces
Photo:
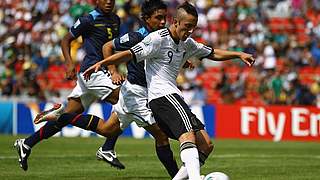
{"x":165,"y":155}
{"x":110,"y":143}
{"x":87,"y":122}
{"x":202,"y":157}
{"x":46,"y":131}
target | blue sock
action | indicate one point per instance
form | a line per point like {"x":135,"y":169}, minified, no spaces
{"x":88,"y":122}
{"x":46,"y":131}
{"x":110,"y":143}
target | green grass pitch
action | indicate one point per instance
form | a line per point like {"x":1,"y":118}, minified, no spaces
{"x":74,"y":158}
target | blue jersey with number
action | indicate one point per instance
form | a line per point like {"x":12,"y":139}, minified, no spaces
{"x":136,"y":73}
{"x":96,"y":29}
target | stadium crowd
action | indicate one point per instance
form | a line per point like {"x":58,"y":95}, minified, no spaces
{"x":283,"y":35}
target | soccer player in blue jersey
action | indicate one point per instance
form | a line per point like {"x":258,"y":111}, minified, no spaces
{"x":164,"y":52}
{"x":132,"y":104}
{"x":132,"y":99}
{"x":97,"y":28}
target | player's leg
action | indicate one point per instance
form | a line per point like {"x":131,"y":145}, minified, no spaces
{"x":24,"y":146}
{"x":113,"y":125}
{"x":107,"y":149}
{"x":93,"y":123}
{"x":110,"y":129}
{"x":174,"y":118}
{"x":203,"y":141}
{"x":204,"y":146}
{"x":77,"y":101}
{"x":142,"y":115}
{"x":163,"y":149}
{"x":132,"y":106}
{"x":74,"y":106}
{"x":189,"y":154}
{"x":100,"y":84}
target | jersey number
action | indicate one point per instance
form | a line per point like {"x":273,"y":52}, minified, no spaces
{"x":170,"y":55}
{"x":109,"y":31}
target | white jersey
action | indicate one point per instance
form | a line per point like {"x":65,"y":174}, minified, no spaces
{"x":163,"y":60}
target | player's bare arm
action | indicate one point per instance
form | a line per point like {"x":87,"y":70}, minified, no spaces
{"x":188,"y":64}
{"x":71,"y":73}
{"x":108,"y":50}
{"x":222,"y":55}
{"x":115,"y":59}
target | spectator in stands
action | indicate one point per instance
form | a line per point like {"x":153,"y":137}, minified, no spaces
{"x":315,"y":51}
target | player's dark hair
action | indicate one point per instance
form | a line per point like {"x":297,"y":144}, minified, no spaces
{"x":189,"y":8}
{"x":150,"y":6}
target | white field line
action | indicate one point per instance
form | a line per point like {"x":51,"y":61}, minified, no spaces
{"x":263,"y":156}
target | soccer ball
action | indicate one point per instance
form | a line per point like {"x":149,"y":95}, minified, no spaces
{"x":216,"y":176}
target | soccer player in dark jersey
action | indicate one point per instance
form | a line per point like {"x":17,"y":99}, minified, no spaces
{"x":134,"y":90}
{"x":132,"y":104}
{"x":97,"y":28}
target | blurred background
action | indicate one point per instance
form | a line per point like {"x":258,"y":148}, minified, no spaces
{"x":283,"y":35}
{"x":278,"y":99}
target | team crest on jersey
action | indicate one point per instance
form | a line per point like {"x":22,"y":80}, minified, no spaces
{"x":76,"y":24}
{"x":124,"y":38}
{"x":147,"y":40}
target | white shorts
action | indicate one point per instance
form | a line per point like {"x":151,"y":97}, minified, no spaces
{"x":98,"y":87}
{"x":132,"y":106}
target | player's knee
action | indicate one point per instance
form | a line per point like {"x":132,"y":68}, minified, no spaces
{"x":74,"y":106}
{"x":187,"y":137}
{"x":103,"y":132}
{"x":108,"y":131}
{"x":187,"y":145}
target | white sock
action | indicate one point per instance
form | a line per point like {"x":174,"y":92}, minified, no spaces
{"x":182,"y":174}
{"x":190,"y":157}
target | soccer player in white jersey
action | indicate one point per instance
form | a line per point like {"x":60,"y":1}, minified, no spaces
{"x":165,"y":52}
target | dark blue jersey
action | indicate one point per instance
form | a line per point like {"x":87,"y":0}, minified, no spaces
{"x":136,"y":73}
{"x":96,"y":29}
